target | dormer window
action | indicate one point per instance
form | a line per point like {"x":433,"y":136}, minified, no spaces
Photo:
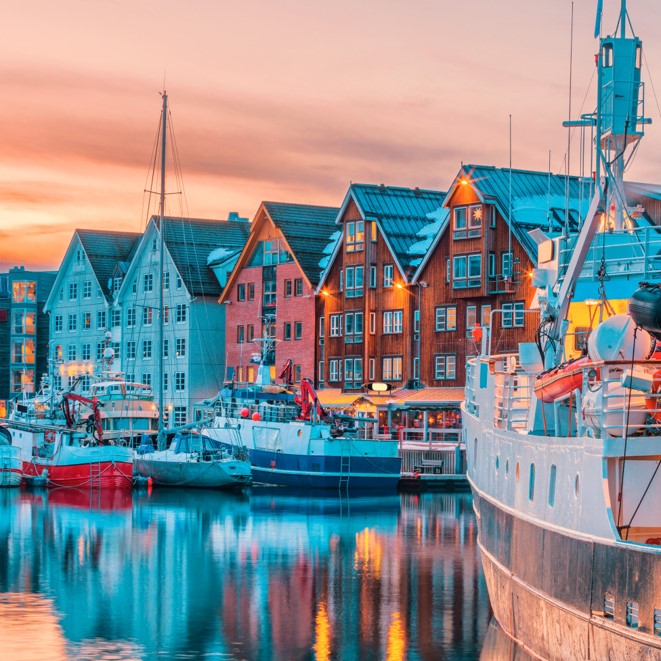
{"x":355,"y":233}
{"x":468,"y":221}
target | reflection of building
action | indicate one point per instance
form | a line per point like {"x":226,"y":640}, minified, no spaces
{"x":23,"y":329}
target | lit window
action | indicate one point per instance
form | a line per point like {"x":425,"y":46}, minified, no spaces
{"x":445,"y":367}
{"x":446,"y":318}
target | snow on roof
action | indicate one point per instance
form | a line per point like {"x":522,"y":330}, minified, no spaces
{"x":219,"y":255}
{"x":428,"y":233}
{"x":328,"y":250}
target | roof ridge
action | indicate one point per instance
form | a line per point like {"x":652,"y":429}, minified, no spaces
{"x":523,"y":171}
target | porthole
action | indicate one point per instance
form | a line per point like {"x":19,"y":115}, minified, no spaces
{"x":577,"y":484}
{"x":300,"y":432}
{"x":517,"y":471}
{"x":552,"y":486}
{"x":531,"y":483}
{"x":497,"y":462}
{"x":507,"y":466}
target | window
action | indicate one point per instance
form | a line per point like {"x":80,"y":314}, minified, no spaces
{"x":86,"y":353}
{"x":335,"y":369}
{"x":181,"y":312}
{"x":116,"y":318}
{"x":467,"y":221}
{"x":388,"y":275}
{"x":446,"y":318}
{"x":371,"y":369}
{"x":180,"y":283}
{"x":250,"y":333}
{"x":73,"y":291}
{"x":166,"y":280}
{"x":445,"y":367}
{"x":115,"y":347}
{"x":491,"y":215}
{"x":552,"y":477}
{"x":531,"y":483}
{"x":25,"y":323}
{"x":298,"y":330}
{"x":179,"y":381}
{"x":298,"y":287}
{"x":100,"y":348}
{"x":392,"y":321}
{"x":154,"y":244}
{"x":58,"y":352}
{"x":72,"y":322}
{"x":165,"y":381}
{"x":519,"y":315}
{"x":23,"y":351}
{"x":321,"y":327}
{"x":240,"y":334}
{"x":416,"y":321}
{"x":353,"y":327}
{"x":289,"y":288}
{"x":166,"y":315}
{"x":506,"y":264}
{"x":286,"y":333}
{"x":372,"y":323}
{"x":180,"y":413}
{"x":87,"y":289}
{"x":467,"y":271}
{"x":372,"y":277}
{"x":354,"y":281}
{"x":374,"y":231}
{"x":166,"y":347}
{"x":448,"y":269}
{"x":146,"y":378}
{"x":61,"y":295}
{"x":392,"y":368}
{"x":87,"y":320}
{"x":101,"y":319}
{"x":146,"y":349}
{"x":471,"y":316}
{"x":71,"y":353}
{"x":269,"y":292}
{"x":130,"y":317}
{"x":58,"y":323}
{"x":180,"y":347}
{"x":320,"y":372}
{"x":459,"y":214}
{"x":241,"y":292}
{"x":492,"y":265}
{"x":148,"y":282}
{"x":485,"y":316}
{"x":475,"y":220}
{"x":336,"y":325}
{"x":355,"y":234}
{"x":251,"y":291}
{"x":130,"y":350}
{"x":341,"y":280}
{"x":513,"y":315}
{"x":632,"y":614}
{"x":353,"y":372}
{"x":147,"y":316}
{"x":416,"y":368}
{"x":134,"y":287}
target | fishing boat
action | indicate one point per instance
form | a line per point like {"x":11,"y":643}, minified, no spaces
{"x":292,"y":441}
{"x":193,"y":460}
{"x":566,"y":489}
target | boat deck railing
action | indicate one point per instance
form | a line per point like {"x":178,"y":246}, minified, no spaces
{"x":267,"y":412}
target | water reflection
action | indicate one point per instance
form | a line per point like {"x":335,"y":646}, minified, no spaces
{"x":268,"y":575}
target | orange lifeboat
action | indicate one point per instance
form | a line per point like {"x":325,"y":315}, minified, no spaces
{"x":558,"y":382}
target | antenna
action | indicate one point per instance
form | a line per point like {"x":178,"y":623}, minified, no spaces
{"x":597,"y":25}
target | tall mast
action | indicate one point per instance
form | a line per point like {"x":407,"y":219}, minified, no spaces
{"x":161,"y":309}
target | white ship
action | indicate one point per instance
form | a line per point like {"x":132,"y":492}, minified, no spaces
{"x":564,"y":458}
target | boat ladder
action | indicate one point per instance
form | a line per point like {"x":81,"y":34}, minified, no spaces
{"x":95,"y":475}
{"x":345,"y":471}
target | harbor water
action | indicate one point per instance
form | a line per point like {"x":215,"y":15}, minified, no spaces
{"x":268,"y":574}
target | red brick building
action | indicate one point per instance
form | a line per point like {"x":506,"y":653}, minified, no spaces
{"x":271,"y":289}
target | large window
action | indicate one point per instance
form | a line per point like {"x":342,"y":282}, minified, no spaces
{"x":446,"y":318}
{"x":392,"y":322}
{"x":335,"y":369}
{"x":336,"y":325}
{"x":392,"y":368}
{"x":27,"y":291}
{"x":355,"y":235}
{"x":25,"y":323}
{"x":354,"y":281}
{"x":353,"y":372}
{"x":23,"y":351}
{"x":467,"y":221}
{"x":353,"y":327}
{"x":445,"y":367}
{"x":467,"y":271}
{"x":513,"y":314}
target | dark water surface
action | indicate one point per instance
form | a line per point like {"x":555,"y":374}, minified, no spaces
{"x":264,"y":575}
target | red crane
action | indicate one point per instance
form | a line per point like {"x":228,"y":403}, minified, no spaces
{"x":68,"y":407}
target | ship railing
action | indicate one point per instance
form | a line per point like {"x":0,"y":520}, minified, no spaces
{"x":267,"y":412}
{"x":513,"y":388}
{"x":440,"y":461}
{"x":430,"y":438}
{"x":472,"y":365}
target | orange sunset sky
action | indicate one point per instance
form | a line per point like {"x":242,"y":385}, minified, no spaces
{"x":287,"y":101}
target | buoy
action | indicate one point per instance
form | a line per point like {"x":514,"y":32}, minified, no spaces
{"x":476,"y":334}
{"x":245,"y":413}
{"x":256,"y":416}
{"x":273,"y":463}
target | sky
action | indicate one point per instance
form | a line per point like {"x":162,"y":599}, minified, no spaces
{"x":288,"y":101}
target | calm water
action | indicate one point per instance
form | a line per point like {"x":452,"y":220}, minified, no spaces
{"x":266,"y":575}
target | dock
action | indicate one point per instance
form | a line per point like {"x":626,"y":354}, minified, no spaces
{"x":433,"y":467}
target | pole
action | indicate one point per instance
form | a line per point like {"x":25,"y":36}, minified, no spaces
{"x":161,"y":222}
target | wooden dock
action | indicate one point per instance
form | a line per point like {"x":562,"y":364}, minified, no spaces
{"x":438,"y":467}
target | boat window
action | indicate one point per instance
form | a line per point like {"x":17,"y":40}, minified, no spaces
{"x":657,"y":621}
{"x":531,"y":483}
{"x":517,"y":471}
{"x":497,"y":462}
{"x":507,"y":466}
{"x":632,"y":614}
{"x":577,"y":484}
{"x":552,"y":486}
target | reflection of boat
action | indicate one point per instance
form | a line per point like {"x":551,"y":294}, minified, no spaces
{"x":293,"y":442}
{"x":193,"y":460}
{"x":566,"y":492}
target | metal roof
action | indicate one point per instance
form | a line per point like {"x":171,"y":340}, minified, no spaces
{"x":427,"y":397}
{"x":106,"y":249}
{"x":400,"y":214}
{"x":307,"y":229}
{"x":190,"y":241}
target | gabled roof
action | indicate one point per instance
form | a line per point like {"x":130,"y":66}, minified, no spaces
{"x":307,"y":229}
{"x":105,"y":250}
{"x":190,"y":241}
{"x":405,"y":217}
{"x":538,"y":199}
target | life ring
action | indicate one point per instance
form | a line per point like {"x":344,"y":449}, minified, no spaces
{"x":653,"y":404}
{"x":49,"y":436}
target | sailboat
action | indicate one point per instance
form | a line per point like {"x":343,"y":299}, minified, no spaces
{"x":563,"y":459}
{"x":192,"y":459}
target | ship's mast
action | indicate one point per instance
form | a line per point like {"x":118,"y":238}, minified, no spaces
{"x":161,"y":309}
{"x":619,"y":123}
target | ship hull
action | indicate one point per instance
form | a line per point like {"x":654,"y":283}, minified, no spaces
{"x":208,"y":475}
{"x":548,"y":588}
{"x":97,"y":475}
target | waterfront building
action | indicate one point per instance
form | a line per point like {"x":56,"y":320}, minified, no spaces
{"x":192,"y":355}
{"x":271,"y":290}
{"x":80,"y":304}
{"x":369,"y":318}
{"x":24,"y":332}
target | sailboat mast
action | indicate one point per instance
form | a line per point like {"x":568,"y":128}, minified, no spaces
{"x":161,"y":222}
